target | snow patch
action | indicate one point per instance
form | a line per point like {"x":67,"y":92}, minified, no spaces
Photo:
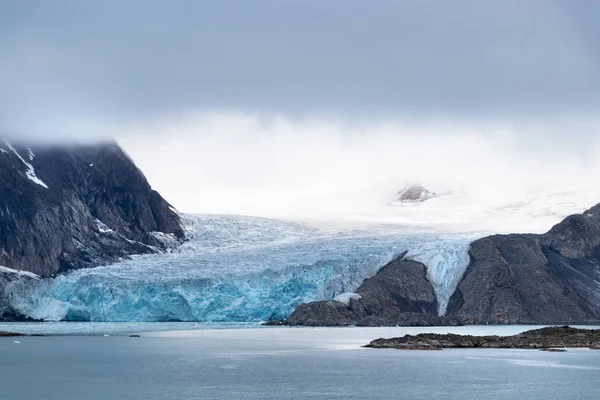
{"x":102,"y":227}
{"x":30,"y":170}
{"x":17,"y":272}
{"x":346,"y":297}
{"x":3,"y":151}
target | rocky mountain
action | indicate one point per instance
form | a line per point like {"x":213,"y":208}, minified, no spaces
{"x":511,"y":279}
{"x":534,"y":279}
{"x":67,"y":207}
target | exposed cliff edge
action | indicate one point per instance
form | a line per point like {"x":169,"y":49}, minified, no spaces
{"x":552,"y":278}
{"x":78,"y":206}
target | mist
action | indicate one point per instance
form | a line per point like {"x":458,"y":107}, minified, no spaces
{"x":276,"y":166}
{"x":312,"y":109}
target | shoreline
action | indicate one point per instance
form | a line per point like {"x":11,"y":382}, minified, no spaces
{"x":357,"y":334}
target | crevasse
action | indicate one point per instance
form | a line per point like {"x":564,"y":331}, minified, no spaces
{"x":241,"y":269}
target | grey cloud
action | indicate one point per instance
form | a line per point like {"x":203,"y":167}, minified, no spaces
{"x":118,"y":60}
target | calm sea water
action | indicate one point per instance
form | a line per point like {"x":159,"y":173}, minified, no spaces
{"x":260,"y":363}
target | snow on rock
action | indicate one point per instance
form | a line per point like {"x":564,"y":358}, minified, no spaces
{"x":30,"y":170}
{"x":167,"y":240}
{"x":346,"y":297}
{"x":102,"y":227}
{"x":17,"y":272}
{"x":413,"y":194}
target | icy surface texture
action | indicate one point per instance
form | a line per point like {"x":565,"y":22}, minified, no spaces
{"x":446,"y":264}
{"x":239,"y":269}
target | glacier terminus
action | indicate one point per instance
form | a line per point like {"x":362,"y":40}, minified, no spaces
{"x":242,"y":269}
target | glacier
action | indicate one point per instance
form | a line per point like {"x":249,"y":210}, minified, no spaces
{"x":242,"y":269}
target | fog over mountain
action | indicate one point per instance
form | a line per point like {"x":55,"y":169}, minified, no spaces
{"x":312,"y":108}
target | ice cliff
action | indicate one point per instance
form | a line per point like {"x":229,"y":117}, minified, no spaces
{"x":238,"y":269}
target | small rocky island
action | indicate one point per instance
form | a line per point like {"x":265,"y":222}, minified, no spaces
{"x":550,"y":338}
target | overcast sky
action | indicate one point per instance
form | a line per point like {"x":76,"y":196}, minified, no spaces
{"x":128,"y":59}
{"x":526,"y":71}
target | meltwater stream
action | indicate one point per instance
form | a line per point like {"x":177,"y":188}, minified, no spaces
{"x":242,"y":269}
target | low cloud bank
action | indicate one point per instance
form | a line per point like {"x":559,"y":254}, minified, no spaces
{"x":276,"y":166}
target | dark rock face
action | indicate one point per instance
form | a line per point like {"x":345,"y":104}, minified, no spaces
{"x":545,"y":338}
{"x":67,"y":207}
{"x":399,"y":294}
{"x":534,"y":279}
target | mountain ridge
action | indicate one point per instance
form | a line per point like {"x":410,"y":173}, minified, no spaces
{"x":65,"y":207}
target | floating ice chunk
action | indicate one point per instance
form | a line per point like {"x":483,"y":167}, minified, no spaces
{"x":346,"y":297}
{"x":17,"y":342}
{"x":30,"y":170}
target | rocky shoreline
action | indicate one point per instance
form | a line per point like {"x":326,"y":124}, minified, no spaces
{"x":549,"y":339}
{"x":10,"y":334}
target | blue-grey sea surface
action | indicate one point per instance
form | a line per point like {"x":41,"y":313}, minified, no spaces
{"x":276,"y":363}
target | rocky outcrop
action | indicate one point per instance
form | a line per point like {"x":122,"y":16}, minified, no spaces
{"x":545,"y":338}
{"x":67,"y":207}
{"x":399,"y":294}
{"x":534,"y":279}
{"x":413,"y":194}
{"x":552,"y":278}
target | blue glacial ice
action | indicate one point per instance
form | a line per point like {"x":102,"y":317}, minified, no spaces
{"x":241,"y":269}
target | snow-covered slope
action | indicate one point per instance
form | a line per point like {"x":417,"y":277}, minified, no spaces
{"x":533,"y":211}
{"x":241,"y":269}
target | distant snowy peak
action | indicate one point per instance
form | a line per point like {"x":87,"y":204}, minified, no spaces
{"x":413,"y":193}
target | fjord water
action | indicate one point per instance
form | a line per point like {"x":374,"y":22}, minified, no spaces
{"x":283,"y":363}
